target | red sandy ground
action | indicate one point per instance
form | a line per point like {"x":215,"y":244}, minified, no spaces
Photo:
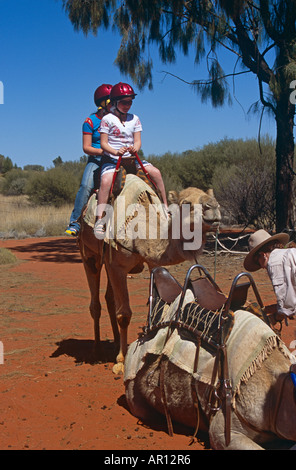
{"x":52,"y":394}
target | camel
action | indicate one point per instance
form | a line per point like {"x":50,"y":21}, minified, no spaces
{"x":161,"y":379}
{"x":128,"y":256}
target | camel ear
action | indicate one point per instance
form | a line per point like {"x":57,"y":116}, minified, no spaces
{"x":173,"y":197}
{"x":210,"y":192}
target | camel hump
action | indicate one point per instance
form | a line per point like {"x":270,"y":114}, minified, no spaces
{"x":134,"y":191}
{"x":123,"y":173}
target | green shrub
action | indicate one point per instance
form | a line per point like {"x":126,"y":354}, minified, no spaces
{"x":14,"y":182}
{"x":53,"y":187}
{"x":6,"y":257}
{"x":246,"y":188}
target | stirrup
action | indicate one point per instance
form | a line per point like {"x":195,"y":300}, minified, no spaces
{"x":167,"y":213}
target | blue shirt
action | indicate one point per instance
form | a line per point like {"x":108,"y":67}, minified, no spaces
{"x":91,"y":126}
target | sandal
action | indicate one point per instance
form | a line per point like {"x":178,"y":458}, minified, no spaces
{"x":99,"y":230}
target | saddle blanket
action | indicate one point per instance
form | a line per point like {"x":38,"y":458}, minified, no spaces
{"x":130,"y":213}
{"x":248,"y":345}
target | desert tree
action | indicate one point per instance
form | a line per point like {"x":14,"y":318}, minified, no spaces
{"x":260,"y":34}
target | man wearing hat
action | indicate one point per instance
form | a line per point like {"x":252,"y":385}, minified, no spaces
{"x":268,"y":252}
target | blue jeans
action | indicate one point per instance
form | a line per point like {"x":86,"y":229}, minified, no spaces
{"x":90,"y":180}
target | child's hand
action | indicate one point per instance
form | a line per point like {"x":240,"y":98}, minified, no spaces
{"x":121,"y":151}
{"x":132,"y":149}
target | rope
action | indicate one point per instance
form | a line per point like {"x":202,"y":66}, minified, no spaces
{"x":225,"y":249}
{"x":216,"y":249}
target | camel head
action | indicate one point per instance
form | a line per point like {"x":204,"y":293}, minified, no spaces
{"x":194,"y":206}
{"x":210,"y":208}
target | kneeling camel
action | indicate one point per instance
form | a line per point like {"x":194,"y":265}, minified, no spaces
{"x":262,"y":406}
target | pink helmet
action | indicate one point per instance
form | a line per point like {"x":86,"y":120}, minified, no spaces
{"x":102,"y":93}
{"x":121,"y":90}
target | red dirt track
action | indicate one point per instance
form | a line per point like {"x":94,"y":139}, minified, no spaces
{"x":53,"y":396}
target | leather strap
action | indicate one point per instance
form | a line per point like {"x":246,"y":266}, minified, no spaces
{"x":196,"y":407}
{"x":163,"y":399}
{"x":226,"y":393}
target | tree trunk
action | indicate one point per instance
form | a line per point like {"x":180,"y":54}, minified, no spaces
{"x":285,"y":185}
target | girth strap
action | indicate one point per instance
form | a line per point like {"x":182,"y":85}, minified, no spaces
{"x":196,"y":407}
{"x":223,"y":392}
{"x":226,"y":393}
{"x":163,"y":399}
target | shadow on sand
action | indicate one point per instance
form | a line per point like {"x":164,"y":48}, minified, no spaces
{"x":82,"y":350}
{"x":57,"y":250}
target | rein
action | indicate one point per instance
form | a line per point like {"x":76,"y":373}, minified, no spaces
{"x":136,"y":156}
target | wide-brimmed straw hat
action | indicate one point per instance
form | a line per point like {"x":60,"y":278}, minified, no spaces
{"x":256,"y":241}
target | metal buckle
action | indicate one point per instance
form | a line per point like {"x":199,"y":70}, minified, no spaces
{"x":209,"y":405}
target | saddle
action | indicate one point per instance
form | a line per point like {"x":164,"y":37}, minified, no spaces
{"x":210,"y":304}
{"x":128,"y":165}
{"x":208,"y":320}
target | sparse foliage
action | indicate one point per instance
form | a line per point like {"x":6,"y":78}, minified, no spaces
{"x":5,"y":164}
{"x":242,"y":176}
{"x":247,"y":193}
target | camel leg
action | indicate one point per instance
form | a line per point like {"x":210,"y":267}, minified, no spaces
{"x":109,"y":297}
{"x":239,"y":438}
{"x":118,"y":279}
{"x":123,"y":322}
{"x":92,"y":262}
{"x":138,"y":405}
{"x":93,"y":272}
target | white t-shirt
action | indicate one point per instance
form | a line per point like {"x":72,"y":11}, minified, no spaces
{"x":281,"y":268}
{"x":120,"y":134}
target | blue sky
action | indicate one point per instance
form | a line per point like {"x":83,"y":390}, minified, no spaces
{"x":49,"y":73}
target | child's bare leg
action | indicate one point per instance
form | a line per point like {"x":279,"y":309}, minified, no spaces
{"x":155,"y":174}
{"x":105,"y":187}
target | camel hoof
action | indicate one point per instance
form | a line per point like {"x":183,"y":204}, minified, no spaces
{"x":118,"y":368}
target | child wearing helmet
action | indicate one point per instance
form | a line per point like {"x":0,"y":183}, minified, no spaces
{"x":121,"y":137}
{"x":92,"y":148}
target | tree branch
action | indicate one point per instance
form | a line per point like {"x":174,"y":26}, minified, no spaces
{"x":265,"y":15}
{"x":205,"y":82}
{"x":262,"y":99}
{"x":250,"y":53}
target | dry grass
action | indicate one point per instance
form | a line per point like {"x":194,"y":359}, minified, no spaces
{"x":20,"y":219}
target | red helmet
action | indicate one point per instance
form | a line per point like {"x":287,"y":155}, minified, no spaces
{"x":121,"y":90}
{"x":102,"y":93}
